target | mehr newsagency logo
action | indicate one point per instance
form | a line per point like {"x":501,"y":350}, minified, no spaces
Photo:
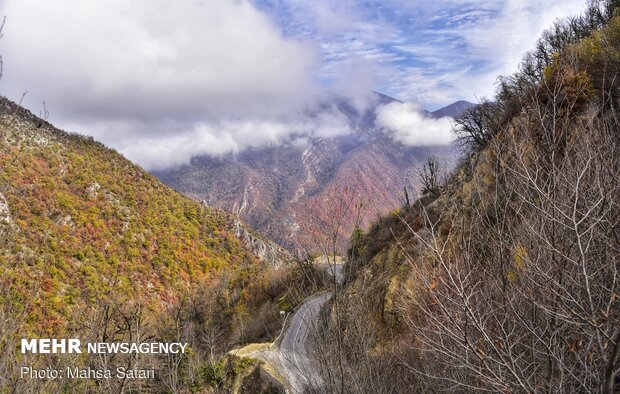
{"x":75,"y":346}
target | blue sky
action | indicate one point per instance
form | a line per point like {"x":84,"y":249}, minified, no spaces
{"x":429,"y":52}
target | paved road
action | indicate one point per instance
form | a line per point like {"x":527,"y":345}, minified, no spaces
{"x":292,"y":357}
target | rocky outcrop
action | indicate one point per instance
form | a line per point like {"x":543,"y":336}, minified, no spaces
{"x":260,"y":381}
{"x":263,"y":249}
{"x":5,"y":217}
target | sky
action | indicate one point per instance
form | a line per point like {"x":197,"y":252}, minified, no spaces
{"x":164,"y":81}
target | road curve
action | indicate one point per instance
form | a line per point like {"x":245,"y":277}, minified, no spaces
{"x":292,"y":357}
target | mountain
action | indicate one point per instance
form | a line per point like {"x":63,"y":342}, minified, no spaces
{"x":453,"y":110}
{"x":74,"y":214}
{"x":505,"y":279}
{"x":288,"y":192}
{"x":93,"y":247}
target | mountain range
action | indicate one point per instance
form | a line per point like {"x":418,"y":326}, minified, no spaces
{"x":288,"y":192}
{"x":92,"y":246}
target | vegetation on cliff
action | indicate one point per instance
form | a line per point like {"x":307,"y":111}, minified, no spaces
{"x":505,"y":278}
{"x":93,"y":247}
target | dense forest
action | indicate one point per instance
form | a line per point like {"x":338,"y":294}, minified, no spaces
{"x":92,"y":246}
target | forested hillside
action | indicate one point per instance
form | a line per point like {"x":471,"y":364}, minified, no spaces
{"x":93,"y":247}
{"x":506,"y":277}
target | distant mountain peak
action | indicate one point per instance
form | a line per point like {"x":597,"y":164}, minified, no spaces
{"x":453,"y":110}
{"x":385,"y":99}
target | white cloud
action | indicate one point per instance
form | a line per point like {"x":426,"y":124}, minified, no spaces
{"x":127,"y":72}
{"x":328,"y":18}
{"x":495,"y":41}
{"x":184,"y":56}
{"x":229,"y":136}
{"x":506,"y":37}
{"x":406,"y":124}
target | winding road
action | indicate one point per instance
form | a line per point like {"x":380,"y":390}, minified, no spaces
{"x":292,"y":357}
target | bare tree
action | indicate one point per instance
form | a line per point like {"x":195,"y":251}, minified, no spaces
{"x":430,"y":175}
{"x":476,"y":126}
{"x":518,"y":274}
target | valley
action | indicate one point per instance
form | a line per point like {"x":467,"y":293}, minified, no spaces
{"x":284,"y":191}
{"x":279,"y":229}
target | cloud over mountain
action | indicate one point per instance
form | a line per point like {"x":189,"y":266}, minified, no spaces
{"x":231,"y":136}
{"x":161,"y":81}
{"x":407,"y":124}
